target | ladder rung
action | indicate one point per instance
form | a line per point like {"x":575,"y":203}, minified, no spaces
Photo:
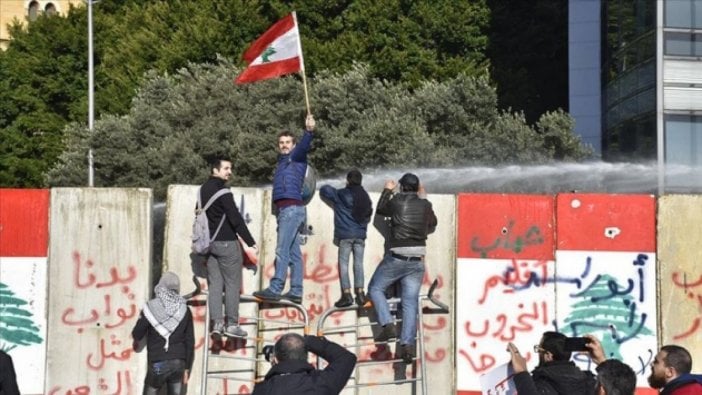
{"x":363,"y":385}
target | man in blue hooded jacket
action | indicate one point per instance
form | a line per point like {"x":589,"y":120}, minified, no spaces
{"x":352,"y":213}
{"x":290,"y":213}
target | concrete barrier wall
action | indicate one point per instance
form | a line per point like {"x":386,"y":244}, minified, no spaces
{"x":177,"y":258}
{"x":24,"y":231}
{"x":99,"y":278}
{"x":680,"y":273}
{"x":524,"y":264}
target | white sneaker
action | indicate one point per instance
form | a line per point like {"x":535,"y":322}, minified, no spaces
{"x":235,"y":331}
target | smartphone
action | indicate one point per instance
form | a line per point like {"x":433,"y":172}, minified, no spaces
{"x":576,"y":344}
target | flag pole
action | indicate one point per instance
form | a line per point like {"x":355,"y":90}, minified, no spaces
{"x":302,"y":65}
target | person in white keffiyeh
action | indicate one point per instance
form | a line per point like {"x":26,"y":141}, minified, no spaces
{"x":167,"y":325}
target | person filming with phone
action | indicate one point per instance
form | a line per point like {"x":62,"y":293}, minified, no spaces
{"x":556,"y":374}
{"x":291,"y":373}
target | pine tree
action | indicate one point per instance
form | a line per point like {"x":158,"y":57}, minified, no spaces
{"x":608,"y":307}
{"x":16,"y":325}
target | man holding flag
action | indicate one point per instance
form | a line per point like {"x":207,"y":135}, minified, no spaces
{"x":278,"y":52}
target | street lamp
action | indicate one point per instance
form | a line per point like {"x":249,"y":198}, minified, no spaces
{"x":91,"y":88}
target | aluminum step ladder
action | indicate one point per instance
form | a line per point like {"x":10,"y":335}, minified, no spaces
{"x":438,"y":308}
{"x":257,"y":326}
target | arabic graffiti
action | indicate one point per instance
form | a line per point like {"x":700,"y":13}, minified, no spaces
{"x":605,"y":306}
{"x":508,"y":241}
{"x":692,"y":290}
{"x":108,"y":304}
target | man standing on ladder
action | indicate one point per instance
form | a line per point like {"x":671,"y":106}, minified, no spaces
{"x":411,"y":220}
{"x":225,"y":259}
{"x":290,"y":212}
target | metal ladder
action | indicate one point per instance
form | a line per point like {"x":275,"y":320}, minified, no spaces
{"x":439,"y":308}
{"x":261,"y":325}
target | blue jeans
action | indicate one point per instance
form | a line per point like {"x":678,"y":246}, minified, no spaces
{"x":345,"y":248}
{"x":410,"y":275}
{"x":287,"y":250}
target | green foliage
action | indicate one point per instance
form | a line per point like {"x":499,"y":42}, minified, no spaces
{"x":43,"y":74}
{"x":177,"y":122}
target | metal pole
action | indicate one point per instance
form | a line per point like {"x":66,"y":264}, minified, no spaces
{"x":91,"y":105}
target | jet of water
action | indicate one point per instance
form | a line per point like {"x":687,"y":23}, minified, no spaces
{"x":599,"y":177}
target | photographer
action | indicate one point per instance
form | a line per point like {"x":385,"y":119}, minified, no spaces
{"x":555,"y":374}
{"x":292,"y":372}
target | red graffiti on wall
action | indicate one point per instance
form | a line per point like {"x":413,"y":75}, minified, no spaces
{"x":123,"y":381}
{"x":505,"y":326}
{"x":93,"y":317}
{"x":693,"y":291}
{"x":114,"y":309}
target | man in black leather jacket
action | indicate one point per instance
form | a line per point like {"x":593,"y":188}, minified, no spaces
{"x":411,"y":219}
{"x":292,"y":374}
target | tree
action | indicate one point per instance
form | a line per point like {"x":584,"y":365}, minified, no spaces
{"x":16,"y":327}
{"x":43,"y":74}
{"x":177,"y":122}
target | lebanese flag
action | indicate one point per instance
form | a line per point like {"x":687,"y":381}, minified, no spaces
{"x":277,"y":52}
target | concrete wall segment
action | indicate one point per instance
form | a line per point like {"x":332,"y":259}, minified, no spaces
{"x":680,"y":272}
{"x":99,"y":277}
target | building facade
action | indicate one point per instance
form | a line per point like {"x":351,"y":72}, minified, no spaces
{"x":28,"y":10}
{"x":635,"y":89}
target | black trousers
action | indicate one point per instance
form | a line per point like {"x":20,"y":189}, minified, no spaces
{"x":169,"y":372}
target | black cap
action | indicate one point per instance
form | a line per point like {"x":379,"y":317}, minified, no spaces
{"x":409,"y":183}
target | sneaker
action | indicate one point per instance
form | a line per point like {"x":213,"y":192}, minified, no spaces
{"x":217,"y":328}
{"x":292,"y":298}
{"x":360,"y":297}
{"x":266,"y":294}
{"x":388,"y":333}
{"x":345,"y":300}
{"x":235,"y":331}
{"x":408,"y":354}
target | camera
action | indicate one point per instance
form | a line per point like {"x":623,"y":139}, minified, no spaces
{"x":576,"y":344}
{"x":268,"y":352}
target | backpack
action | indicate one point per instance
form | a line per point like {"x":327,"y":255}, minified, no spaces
{"x":201,"y":227}
{"x":309,"y":184}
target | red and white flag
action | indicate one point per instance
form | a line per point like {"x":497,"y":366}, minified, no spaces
{"x":277,"y":52}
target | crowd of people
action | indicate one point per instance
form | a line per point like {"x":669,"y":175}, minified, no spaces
{"x":166,"y":323}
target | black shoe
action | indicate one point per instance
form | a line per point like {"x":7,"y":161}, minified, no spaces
{"x":292,"y":298}
{"x":266,"y":294}
{"x":388,"y":333}
{"x":345,"y":301}
{"x":360,"y":297}
{"x":408,"y":354}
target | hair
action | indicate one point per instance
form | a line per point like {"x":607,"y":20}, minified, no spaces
{"x":409,"y":183}
{"x":554,"y":342}
{"x":354,"y":177}
{"x":217,"y":163}
{"x":290,"y":346}
{"x":287,"y":133}
{"x":677,"y":358}
{"x":616,"y":377}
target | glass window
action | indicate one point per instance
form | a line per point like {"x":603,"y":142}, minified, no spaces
{"x":678,"y":44}
{"x":683,"y":13}
{"x":683,"y":140}
{"x":33,"y":11}
{"x":50,"y":9}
